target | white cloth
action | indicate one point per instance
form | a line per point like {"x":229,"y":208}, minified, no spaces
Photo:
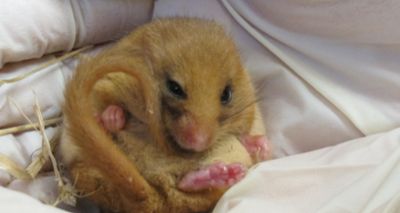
{"x":362,"y":175}
{"x":21,"y":149}
{"x":30,"y":29}
{"x":47,"y":86}
{"x":346,"y":51}
{"x":15,"y":202}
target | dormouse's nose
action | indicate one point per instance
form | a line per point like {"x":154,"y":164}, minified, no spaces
{"x":195,"y":134}
{"x":196,"y":138}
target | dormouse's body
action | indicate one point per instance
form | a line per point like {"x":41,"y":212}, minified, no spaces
{"x":186,"y":103}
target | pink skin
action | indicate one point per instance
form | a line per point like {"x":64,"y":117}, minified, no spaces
{"x":194,"y":137}
{"x":257,"y":146}
{"x":220,"y":175}
{"x":112,"y":118}
{"x":217,"y":175}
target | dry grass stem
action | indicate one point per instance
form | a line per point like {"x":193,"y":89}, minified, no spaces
{"x":30,"y":126}
{"x":66,"y":191}
{"x":41,"y":67}
{"x":46,"y":143}
{"x":13,"y":168}
{"x":40,"y":160}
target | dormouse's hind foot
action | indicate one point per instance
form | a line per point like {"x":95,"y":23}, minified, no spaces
{"x":257,"y":146}
{"x":218,"y":175}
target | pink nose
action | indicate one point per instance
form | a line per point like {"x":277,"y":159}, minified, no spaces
{"x":196,"y":140}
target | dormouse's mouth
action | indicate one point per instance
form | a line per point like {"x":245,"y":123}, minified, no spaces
{"x":177,"y":148}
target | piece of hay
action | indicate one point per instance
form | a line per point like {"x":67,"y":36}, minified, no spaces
{"x":13,"y":168}
{"x":39,"y":68}
{"x":30,"y":126}
{"x":66,"y":191}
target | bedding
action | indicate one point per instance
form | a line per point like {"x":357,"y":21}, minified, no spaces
{"x":327,"y":73}
{"x":361,"y":175}
{"x":31,"y":29}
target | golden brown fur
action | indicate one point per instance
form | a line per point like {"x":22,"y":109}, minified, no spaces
{"x":137,"y":169}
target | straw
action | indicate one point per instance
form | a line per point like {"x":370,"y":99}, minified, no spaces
{"x":47,"y":64}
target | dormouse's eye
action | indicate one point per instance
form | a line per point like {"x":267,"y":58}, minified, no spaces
{"x":226,"y":95}
{"x":175,"y":89}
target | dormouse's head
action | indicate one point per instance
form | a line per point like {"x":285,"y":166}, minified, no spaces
{"x":206,"y":93}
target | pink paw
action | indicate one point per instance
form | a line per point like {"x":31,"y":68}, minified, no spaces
{"x":257,"y":146}
{"x":218,"y":175}
{"x":112,"y":118}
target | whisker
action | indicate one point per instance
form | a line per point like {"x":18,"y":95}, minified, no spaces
{"x":260,"y":87}
{"x":250,"y":104}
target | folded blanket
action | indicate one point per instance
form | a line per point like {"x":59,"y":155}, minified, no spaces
{"x":30,"y":29}
{"x":346,"y":51}
{"x":21,"y":149}
{"x":357,"y":176}
{"x":11,"y":201}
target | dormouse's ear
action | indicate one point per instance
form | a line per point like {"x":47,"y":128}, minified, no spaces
{"x":152,"y":50}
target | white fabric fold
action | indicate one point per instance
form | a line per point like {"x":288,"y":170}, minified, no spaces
{"x":12,"y":201}
{"x":356,"y":72}
{"x":31,"y":29}
{"x":21,"y":149}
{"x":46,"y":86}
{"x":357,"y":176}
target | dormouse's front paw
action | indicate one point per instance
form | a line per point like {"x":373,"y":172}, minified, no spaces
{"x":257,"y":146}
{"x":214,"y":176}
{"x":112,"y":118}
